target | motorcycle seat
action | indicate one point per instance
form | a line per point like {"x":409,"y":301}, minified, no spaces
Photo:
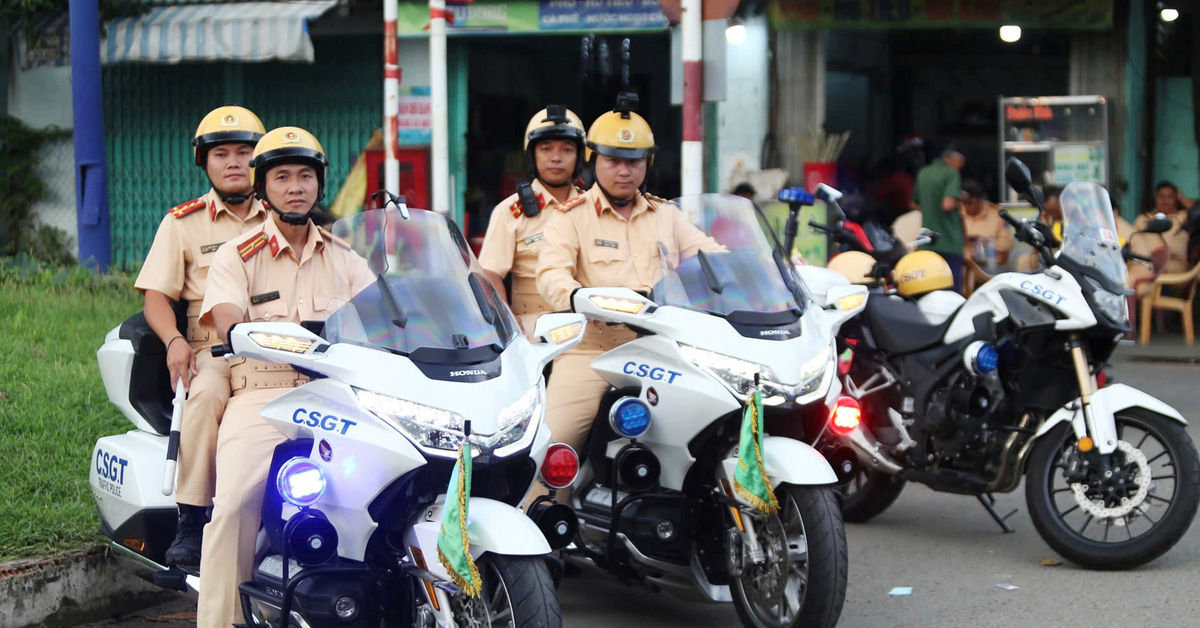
{"x":900,"y":327}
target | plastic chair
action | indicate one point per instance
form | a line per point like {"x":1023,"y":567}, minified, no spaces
{"x":1156,"y":300}
{"x":1142,"y":285}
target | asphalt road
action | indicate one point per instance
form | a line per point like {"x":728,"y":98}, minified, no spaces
{"x":952,"y":555}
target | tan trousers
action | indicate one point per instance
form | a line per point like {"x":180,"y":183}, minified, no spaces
{"x":245,"y":446}
{"x":207,"y":397}
{"x":574,"y":392}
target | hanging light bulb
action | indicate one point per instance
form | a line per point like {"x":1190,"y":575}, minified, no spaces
{"x":735,"y":33}
{"x":1169,"y":15}
{"x":1010,"y":33}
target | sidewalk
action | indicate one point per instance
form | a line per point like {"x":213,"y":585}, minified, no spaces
{"x":1164,"y":347}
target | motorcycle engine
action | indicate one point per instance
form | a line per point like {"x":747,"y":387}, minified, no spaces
{"x":962,"y":417}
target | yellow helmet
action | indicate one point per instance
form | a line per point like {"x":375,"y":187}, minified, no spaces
{"x":225,"y":125}
{"x":287,"y":145}
{"x":921,"y":272}
{"x":621,"y":133}
{"x":555,"y":122}
{"x":855,"y":266}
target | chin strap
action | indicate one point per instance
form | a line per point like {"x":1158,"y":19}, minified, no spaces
{"x":617,"y":202}
{"x":232,"y":199}
{"x":291,"y":218}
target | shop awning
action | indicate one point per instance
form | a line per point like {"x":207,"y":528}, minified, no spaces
{"x":237,"y":31}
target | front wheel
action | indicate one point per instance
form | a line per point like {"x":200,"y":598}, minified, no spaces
{"x":517,"y":593}
{"x":801,"y":577}
{"x":1120,"y":510}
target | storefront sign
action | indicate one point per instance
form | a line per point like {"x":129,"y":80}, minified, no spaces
{"x":414,"y":124}
{"x":533,"y":16}
{"x":1023,"y":113}
{"x":882,"y":14}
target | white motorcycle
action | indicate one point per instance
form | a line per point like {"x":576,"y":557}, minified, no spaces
{"x":655,"y":496}
{"x":967,"y":396}
{"x":353,"y":510}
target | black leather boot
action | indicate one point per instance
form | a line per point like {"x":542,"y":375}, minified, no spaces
{"x":185,"y":549}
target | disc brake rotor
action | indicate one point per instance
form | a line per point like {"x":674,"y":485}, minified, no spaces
{"x":1097,"y":508}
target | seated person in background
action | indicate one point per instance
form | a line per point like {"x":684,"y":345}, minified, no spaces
{"x":1166,"y":201}
{"x":983,"y":226}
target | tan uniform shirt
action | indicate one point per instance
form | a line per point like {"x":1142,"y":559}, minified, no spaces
{"x":183,"y":250}
{"x":513,"y":243}
{"x":588,"y":244}
{"x":986,"y":224}
{"x":260,"y":274}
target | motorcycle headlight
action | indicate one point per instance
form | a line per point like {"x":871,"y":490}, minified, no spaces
{"x":1114,"y":307}
{"x":425,"y":425}
{"x":514,"y":420}
{"x":736,"y":374}
{"x":815,"y":372}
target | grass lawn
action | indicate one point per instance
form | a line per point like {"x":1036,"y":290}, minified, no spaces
{"x":52,"y":403}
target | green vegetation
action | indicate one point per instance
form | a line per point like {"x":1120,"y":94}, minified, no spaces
{"x":52,"y":403}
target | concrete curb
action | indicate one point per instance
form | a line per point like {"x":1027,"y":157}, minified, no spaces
{"x":86,"y":585}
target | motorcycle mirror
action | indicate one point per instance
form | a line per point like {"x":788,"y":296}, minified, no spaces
{"x":1159,"y":224}
{"x":1017,"y":175}
{"x":827,"y":193}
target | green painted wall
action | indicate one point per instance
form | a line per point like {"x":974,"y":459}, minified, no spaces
{"x":151,"y":112}
{"x":1135,"y":95}
{"x":1176,"y":157}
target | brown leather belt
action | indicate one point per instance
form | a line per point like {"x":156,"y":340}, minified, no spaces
{"x":525,"y":297}
{"x":247,"y":374}
{"x":599,"y":336}
{"x":197,"y":336}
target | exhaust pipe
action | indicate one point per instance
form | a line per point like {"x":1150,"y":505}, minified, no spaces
{"x":869,"y":453}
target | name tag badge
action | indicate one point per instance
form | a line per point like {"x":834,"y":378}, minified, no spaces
{"x":608,"y":243}
{"x":210,"y":248}
{"x":537,"y":237}
{"x":259,"y":299}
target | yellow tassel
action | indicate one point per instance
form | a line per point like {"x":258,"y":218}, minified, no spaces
{"x":773,"y":506}
{"x":473,"y":587}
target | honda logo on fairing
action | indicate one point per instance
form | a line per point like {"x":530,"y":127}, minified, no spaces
{"x":467,"y":372}
{"x":774,"y":332}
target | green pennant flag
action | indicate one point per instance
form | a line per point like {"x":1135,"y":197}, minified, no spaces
{"x":750,"y":480}
{"x":454,"y":548}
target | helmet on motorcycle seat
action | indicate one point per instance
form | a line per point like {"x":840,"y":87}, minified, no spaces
{"x":225,"y":125}
{"x":855,"y":266}
{"x":921,"y":272}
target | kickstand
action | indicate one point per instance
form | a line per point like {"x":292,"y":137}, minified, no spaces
{"x":988,"y":501}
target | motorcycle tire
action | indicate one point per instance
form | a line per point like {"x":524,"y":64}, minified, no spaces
{"x":810,"y":515}
{"x":1052,"y":500}
{"x":528,"y":598}
{"x":869,"y":494}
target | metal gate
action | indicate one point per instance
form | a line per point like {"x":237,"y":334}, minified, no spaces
{"x":151,"y":112}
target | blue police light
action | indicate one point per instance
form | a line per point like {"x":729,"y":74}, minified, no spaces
{"x":981,"y":357}
{"x":799,"y":196}
{"x":301,"y":482}
{"x":629,"y":417}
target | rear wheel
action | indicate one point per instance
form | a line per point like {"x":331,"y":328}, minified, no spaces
{"x":800,"y":580}
{"x":868,"y":494}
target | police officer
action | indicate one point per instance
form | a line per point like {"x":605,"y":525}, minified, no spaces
{"x":177,"y":268}
{"x":614,"y":235}
{"x":287,"y":270}
{"x":554,"y":157}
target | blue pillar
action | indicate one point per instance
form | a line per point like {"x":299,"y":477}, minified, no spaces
{"x":91,"y":177}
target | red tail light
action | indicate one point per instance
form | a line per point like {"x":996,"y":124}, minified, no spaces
{"x":560,"y":466}
{"x":1102,"y":380}
{"x":845,"y":416}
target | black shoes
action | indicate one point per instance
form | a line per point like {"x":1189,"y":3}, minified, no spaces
{"x":185,"y":549}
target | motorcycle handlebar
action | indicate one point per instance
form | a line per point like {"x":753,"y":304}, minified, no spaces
{"x":820,"y":227}
{"x":220,"y":351}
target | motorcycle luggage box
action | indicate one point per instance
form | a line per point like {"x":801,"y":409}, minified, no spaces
{"x":126,"y":476}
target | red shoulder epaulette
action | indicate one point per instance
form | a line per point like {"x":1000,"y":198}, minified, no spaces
{"x":248,"y":248}
{"x":179,"y":211}
{"x":571,"y":204}
{"x":518,"y":209}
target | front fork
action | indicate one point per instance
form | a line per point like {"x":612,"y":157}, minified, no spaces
{"x":1098,"y":422}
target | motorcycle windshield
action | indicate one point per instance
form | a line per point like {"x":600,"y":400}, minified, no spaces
{"x":430,"y":292}
{"x":716,"y":258}
{"x":1090,"y":232}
